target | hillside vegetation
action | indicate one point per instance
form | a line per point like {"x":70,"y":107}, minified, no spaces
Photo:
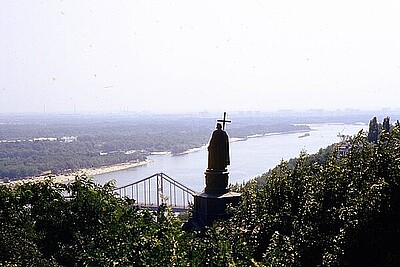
{"x":342,"y":212}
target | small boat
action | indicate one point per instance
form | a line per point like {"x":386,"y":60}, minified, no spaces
{"x":304,"y":135}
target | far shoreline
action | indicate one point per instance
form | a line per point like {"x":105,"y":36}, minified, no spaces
{"x":91,"y":172}
{"x":235,"y":139}
{"x":70,"y":177}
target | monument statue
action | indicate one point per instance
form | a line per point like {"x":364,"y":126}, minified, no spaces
{"x":211,"y":204}
{"x":218,"y":150}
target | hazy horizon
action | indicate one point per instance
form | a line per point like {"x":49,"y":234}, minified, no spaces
{"x":186,"y":56}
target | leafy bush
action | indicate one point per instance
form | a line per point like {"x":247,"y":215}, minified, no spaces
{"x":345,"y":212}
{"x":40,"y":226}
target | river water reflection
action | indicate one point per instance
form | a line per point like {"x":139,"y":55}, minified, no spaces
{"x":249,"y":158}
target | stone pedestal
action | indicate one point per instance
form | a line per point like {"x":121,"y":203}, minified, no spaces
{"x":212,"y":203}
{"x":211,"y":207}
{"x":216,"y":181}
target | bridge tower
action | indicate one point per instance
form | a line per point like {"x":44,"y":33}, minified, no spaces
{"x":211,"y":204}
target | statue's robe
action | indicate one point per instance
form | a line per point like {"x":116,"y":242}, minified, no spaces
{"x":218,"y":151}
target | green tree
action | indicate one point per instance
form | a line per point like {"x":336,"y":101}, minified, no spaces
{"x":373,"y":130}
{"x":40,"y":226}
{"x":386,"y":124}
{"x":343,"y":212}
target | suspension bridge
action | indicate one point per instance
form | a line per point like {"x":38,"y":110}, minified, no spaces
{"x":158,"y":189}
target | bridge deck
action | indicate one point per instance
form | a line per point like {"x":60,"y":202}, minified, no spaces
{"x":158,"y":189}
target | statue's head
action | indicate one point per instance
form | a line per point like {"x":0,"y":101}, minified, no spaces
{"x":219,"y":126}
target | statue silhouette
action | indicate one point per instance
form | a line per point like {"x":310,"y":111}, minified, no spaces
{"x":218,"y":150}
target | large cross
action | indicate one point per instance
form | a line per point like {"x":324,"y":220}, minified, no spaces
{"x":224,"y":120}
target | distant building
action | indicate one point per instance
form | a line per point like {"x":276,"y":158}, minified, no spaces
{"x":46,"y":173}
{"x":343,"y":149}
{"x":45,"y":139}
{"x":69,"y":139}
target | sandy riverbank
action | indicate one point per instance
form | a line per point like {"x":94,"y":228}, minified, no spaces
{"x":70,"y":177}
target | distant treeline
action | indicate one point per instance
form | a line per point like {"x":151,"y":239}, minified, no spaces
{"x":102,"y":141}
{"x":24,"y":159}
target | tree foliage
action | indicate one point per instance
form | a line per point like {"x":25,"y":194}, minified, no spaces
{"x":340,"y":211}
{"x":344,"y":212}
{"x":40,"y":226}
{"x":373,"y":130}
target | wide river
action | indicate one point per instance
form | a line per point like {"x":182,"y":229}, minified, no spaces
{"x":249,"y":158}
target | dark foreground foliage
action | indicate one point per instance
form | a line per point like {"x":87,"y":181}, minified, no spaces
{"x":345,"y":212}
{"x":40,"y":227}
{"x":342,"y":212}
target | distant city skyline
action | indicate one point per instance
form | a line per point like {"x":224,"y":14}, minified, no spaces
{"x":187,"y":56}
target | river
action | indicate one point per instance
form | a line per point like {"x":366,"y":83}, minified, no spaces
{"x":249,"y":158}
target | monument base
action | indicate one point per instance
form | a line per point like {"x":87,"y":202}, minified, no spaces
{"x":216,"y":181}
{"x":210,"y":207}
{"x":212,"y":203}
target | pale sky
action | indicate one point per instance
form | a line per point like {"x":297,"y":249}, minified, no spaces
{"x":179,"y":56}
